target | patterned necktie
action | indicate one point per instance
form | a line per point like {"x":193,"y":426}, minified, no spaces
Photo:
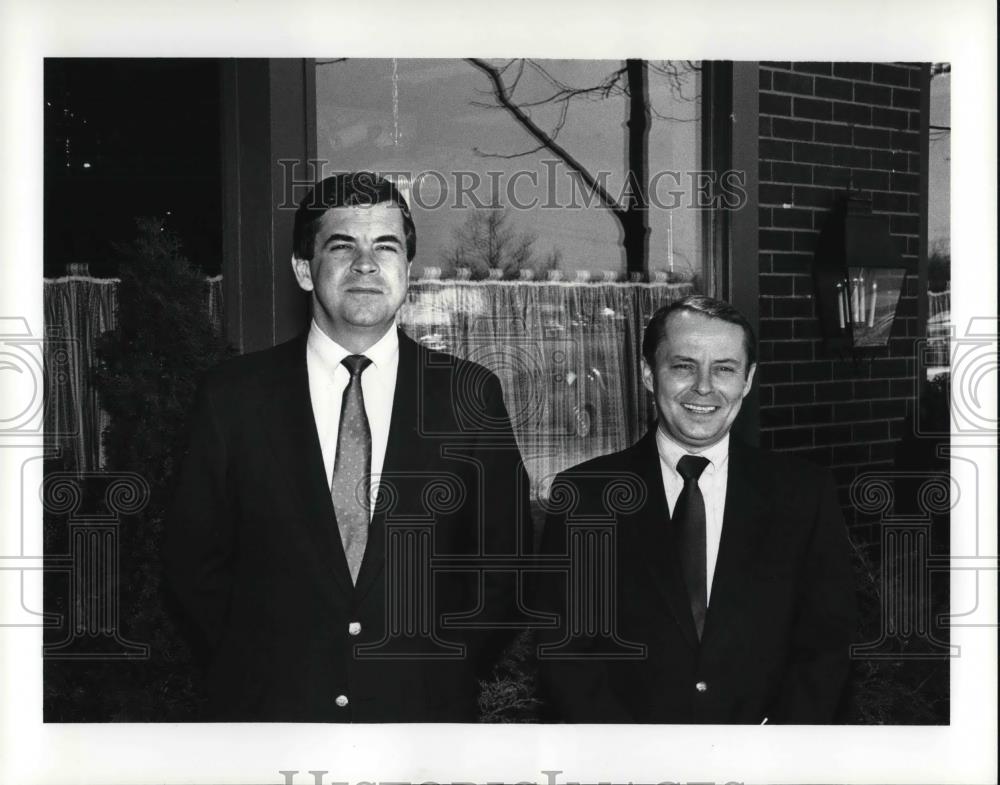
{"x":689,"y":531}
{"x":352,"y":467}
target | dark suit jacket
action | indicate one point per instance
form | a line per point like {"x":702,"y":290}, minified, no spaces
{"x":253,"y":553}
{"x":781,"y":614}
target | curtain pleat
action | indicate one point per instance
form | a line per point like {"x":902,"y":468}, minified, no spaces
{"x":566,"y":353}
{"x":78,"y":310}
{"x":567,"y":356}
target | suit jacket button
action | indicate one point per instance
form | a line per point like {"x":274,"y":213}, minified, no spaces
{"x":701,"y":686}
{"x":341,"y":700}
{"x":354,"y":628}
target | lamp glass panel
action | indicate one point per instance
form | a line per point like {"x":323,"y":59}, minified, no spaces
{"x":874,"y":293}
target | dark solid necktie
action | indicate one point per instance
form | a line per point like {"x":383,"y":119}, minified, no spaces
{"x":352,"y":467}
{"x":689,"y":531}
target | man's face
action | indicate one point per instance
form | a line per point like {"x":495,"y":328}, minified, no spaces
{"x":359,"y":273}
{"x":700,"y":378}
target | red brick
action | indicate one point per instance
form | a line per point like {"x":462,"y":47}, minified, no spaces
{"x":891,"y":118}
{"x":889,"y":202}
{"x":834,"y":391}
{"x":832,"y":434}
{"x":787,"y":82}
{"x":807,"y":328}
{"x":806,"y":241}
{"x":764,"y":78}
{"x":792,"y":394}
{"x":872,"y":137}
{"x":834,"y":88}
{"x":776,"y":416}
{"x":805,"y":286}
{"x":785,"y":351}
{"x":888,"y":367}
{"x":891,"y":74}
{"x":792,"y":129}
{"x":775,"y":285}
{"x":871,"y":179}
{"x":853,"y":70}
{"x":851,"y":412}
{"x":806,"y":152}
{"x":852,"y":113}
{"x":817,"y":414}
{"x":784,"y":172}
{"x":906,"y":140}
{"x":872,"y":389}
{"x":770,"y":103}
{"x":775,"y":149}
{"x":849,"y":369}
{"x":775,"y":329}
{"x":806,"y":196}
{"x":823,"y":69}
{"x":791,"y":218}
{"x":791,"y":307}
{"x":832,"y":133}
{"x":905,"y":182}
{"x":905,"y":99}
{"x":774,"y":240}
{"x":870,"y":431}
{"x":775,"y":373}
{"x":872,"y":94}
{"x":834,"y":176}
{"x":769,"y":193}
{"x":812,"y":371}
{"x":902,"y":388}
{"x":812,"y":108}
{"x":851,"y":453}
{"x":793,"y":437}
{"x":792,"y":263}
{"x":893,"y":408}
{"x":852,"y":156}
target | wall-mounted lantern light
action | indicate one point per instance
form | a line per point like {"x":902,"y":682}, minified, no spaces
{"x":859,"y":276}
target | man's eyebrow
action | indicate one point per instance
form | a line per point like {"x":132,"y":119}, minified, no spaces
{"x":684,"y":358}
{"x":388,"y":238}
{"x":338,"y":238}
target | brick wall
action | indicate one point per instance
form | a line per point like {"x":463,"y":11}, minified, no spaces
{"x":821,"y":124}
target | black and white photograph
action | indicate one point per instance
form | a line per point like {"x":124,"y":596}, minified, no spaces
{"x":571,"y":417}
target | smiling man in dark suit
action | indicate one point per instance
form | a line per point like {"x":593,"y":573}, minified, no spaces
{"x":324,"y":476}
{"x":733,"y":594}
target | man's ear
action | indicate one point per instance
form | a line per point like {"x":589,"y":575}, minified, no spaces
{"x":303,"y":273}
{"x":749,"y":384}
{"x":647,"y":376}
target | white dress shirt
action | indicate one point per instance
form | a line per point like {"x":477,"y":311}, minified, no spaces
{"x":712,"y":484}
{"x":328,"y":379}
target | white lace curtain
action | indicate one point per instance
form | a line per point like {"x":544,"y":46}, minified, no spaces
{"x":78,"y":309}
{"x":566,"y":354}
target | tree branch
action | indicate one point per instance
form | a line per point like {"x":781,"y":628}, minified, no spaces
{"x":544,"y":139}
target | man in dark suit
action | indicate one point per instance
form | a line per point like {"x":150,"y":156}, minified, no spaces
{"x":324,"y":479}
{"x":733,"y":598}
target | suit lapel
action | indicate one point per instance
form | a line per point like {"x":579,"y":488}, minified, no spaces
{"x":402,"y":437}
{"x":656,"y":545}
{"x":743,"y":530}
{"x":288,"y":418}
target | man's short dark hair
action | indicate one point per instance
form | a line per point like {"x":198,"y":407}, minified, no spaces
{"x":347,"y":189}
{"x":656,"y":330}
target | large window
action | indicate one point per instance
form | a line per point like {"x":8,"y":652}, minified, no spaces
{"x":540,"y":254}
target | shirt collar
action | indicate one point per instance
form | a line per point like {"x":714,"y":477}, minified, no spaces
{"x":671,"y":452}
{"x":330,"y":353}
